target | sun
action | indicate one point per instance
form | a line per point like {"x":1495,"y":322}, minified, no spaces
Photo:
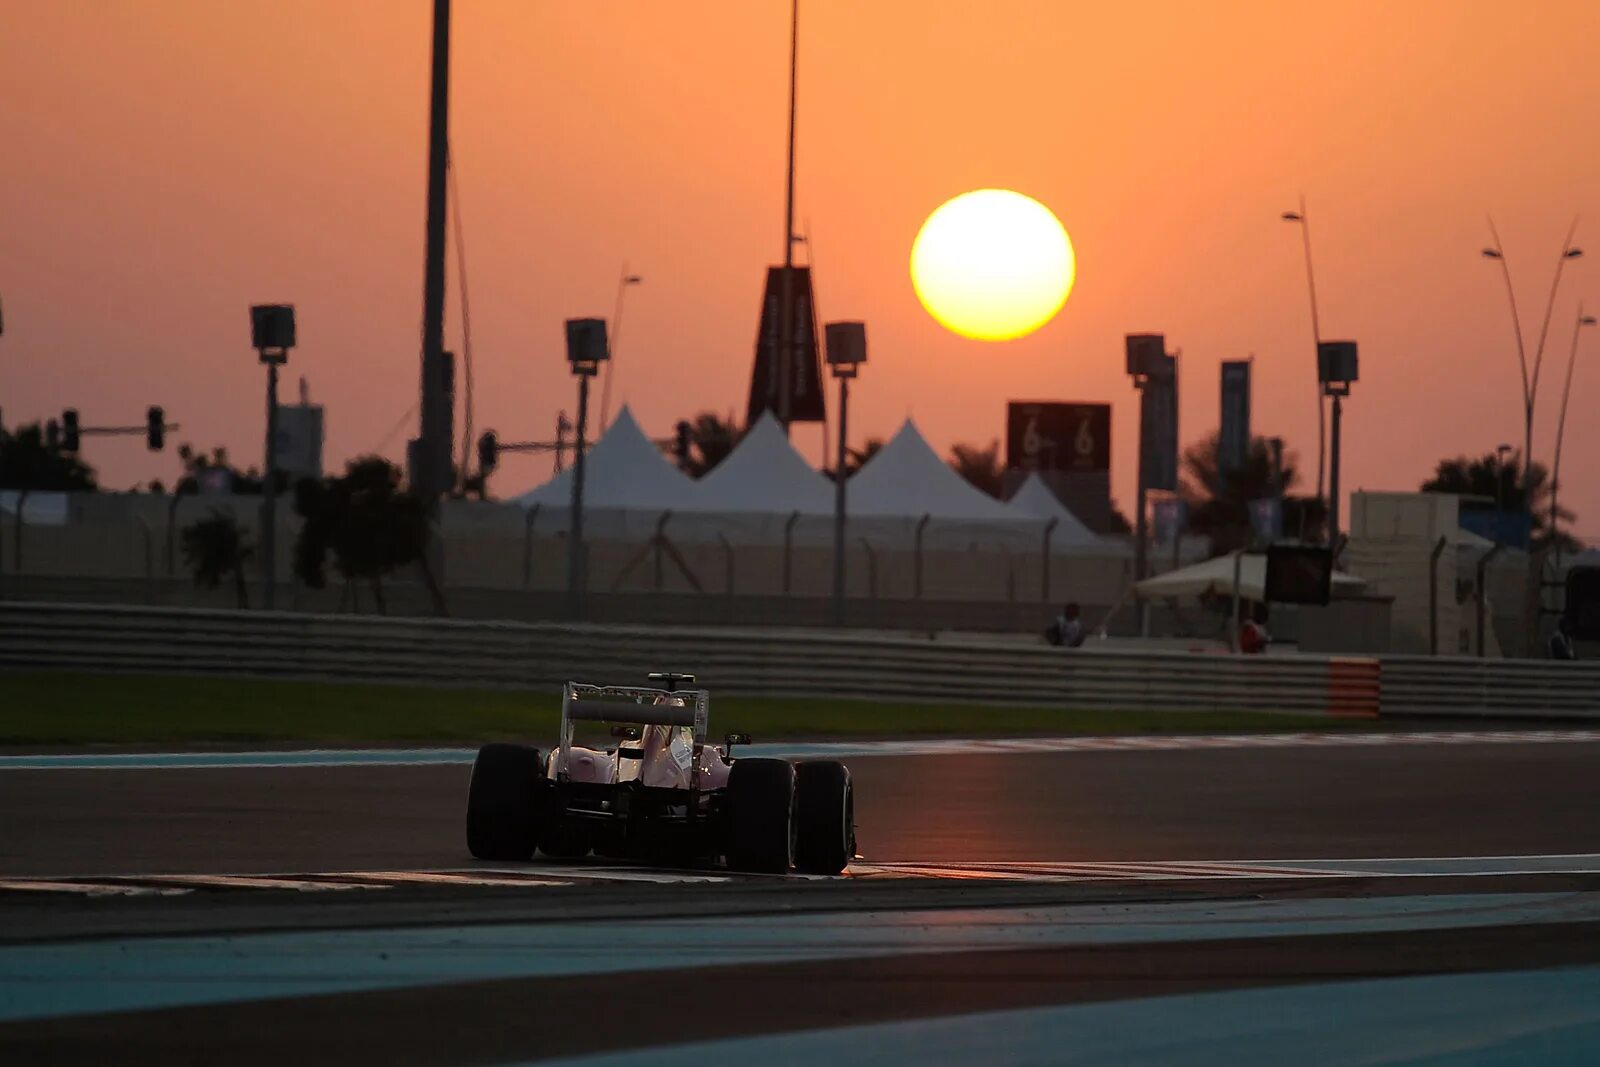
{"x":992,"y":265}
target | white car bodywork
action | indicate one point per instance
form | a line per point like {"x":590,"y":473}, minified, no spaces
{"x":664,"y":761}
{"x":670,"y":752}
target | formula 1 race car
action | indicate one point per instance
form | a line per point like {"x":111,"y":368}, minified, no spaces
{"x":660,"y":793}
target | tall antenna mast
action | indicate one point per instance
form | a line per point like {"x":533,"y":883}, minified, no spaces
{"x":430,"y":468}
{"x":784,"y":378}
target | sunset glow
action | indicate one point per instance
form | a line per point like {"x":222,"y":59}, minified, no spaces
{"x":993,"y":265}
{"x":145,"y":215}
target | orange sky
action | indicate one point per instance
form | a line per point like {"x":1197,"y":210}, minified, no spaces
{"x":168,"y":163}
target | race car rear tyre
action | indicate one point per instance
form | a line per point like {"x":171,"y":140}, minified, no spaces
{"x":825,"y":835}
{"x":505,"y":802}
{"x":761,"y":800}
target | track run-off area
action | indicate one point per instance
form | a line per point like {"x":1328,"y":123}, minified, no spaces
{"x":1400,"y":897}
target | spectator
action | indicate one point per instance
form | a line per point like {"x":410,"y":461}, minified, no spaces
{"x":1561,"y":646}
{"x":1253,"y":635}
{"x":1067,"y":628}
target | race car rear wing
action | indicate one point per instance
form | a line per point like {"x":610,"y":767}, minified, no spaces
{"x":631,"y":704}
{"x":621,"y":711}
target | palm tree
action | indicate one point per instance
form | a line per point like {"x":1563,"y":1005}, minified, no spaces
{"x":1499,"y":483}
{"x":1219,"y":500}
{"x":370,"y":523}
{"x":711,"y":438}
{"x":214,"y":548}
{"x":979,"y":466}
{"x":856,"y":458}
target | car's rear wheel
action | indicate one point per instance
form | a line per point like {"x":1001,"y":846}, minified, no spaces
{"x":505,"y":802}
{"x":761,"y":802}
{"x":825,"y":835}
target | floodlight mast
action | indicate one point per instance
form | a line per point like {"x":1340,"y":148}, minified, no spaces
{"x":1336,"y":371}
{"x":847,"y":350}
{"x":272,"y":334}
{"x":587,"y":349}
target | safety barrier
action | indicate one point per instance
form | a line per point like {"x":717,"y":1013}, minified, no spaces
{"x":758,"y":662}
{"x":1499,"y":688}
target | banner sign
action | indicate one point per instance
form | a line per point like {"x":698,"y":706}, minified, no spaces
{"x":1233,"y":445}
{"x":1514,"y":529}
{"x":1266,"y":518}
{"x":805,"y":396}
{"x":1158,"y":432}
{"x":1170,"y":517}
{"x":1056,"y":436}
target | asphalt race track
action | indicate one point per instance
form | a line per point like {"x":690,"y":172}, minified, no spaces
{"x":1310,"y":902}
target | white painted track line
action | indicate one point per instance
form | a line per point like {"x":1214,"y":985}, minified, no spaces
{"x":92,"y":889}
{"x":445,"y":878}
{"x":249,"y":881}
{"x":664,"y":876}
{"x":1018,"y":871}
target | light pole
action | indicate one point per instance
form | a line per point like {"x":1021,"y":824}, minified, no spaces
{"x":1500,"y":454}
{"x":1336,"y":371}
{"x":1530,"y":381}
{"x":847,"y":350}
{"x":1154,"y":375}
{"x":586,"y":350}
{"x":1561,"y":426}
{"x":616,"y":343}
{"x":272,"y":335}
{"x":1303,"y":220}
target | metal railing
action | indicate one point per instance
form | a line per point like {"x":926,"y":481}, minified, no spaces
{"x":770,"y":662}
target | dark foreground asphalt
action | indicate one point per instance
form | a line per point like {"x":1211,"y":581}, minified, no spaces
{"x":530,"y":1019}
{"x":1291,"y":803}
{"x":1223,"y":804}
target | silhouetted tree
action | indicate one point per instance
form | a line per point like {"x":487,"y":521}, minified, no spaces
{"x":711,"y":438}
{"x":1500,"y":485}
{"x":27,"y":462}
{"x":214,"y":548}
{"x":1219,"y":502}
{"x":368,"y":522}
{"x":979,"y":466}
{"x":856,"y":458}
{"x":198,"y":464}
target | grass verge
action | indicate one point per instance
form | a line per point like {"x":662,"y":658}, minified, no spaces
{"x":47,"y":708}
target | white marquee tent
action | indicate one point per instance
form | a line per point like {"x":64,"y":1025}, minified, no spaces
{"x":764,"y":475}
{"x":627,"y":485}
{"x":907,"y":478}
{"x":906,"y":486}
{"x":765,"y":492}
{"x":1035,"y":499}
{"x":1216,"y":577}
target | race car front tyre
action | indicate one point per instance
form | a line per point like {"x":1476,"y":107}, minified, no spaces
{"x":761,"y":801}
{"x":825,"y":815}
{"x":505,"y":802}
